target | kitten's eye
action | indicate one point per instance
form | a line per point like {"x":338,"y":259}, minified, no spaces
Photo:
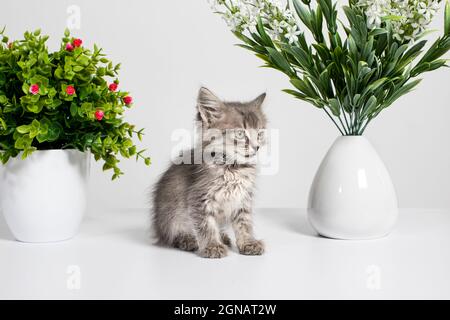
{"x":240,"y":134}
{"x":261,"y":135}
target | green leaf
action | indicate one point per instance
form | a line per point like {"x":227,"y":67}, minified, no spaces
{"x":351,"y":16}
{"x":370,"y":105}
{"x":23,"y":129}
{"x":59,"y":73}
{"x":3,"y":125}
{"x":303,"y":13}
{"x":295,"y":93}
{"x":401,"y":91}
{"x":425,"y":33}
{"x":280,"y":61}
{"x":52,"y":92}
{"x":83,"y":61}
{"x":77,"y":68}
{"x":56,"y":103}
{"x":25,"y":88}
{"x":428,"y":66}
{"x":27,"y":151}
{"x":304,"y":88}
{"x":325,"y":83}
{"x":52,"y":132}
{"x":334,"y":107}
{"x":23,"y":142}
{"x":414,"y":49}
{"x":73,"y":109}
{"x":303,"y":58}
{"x":377,"y":31}
{"x":392,"y":18}
{"x":264,"y":36}
{"x":374,"y":85}
{"x":447,"y":19}
{"x":35,"y":124}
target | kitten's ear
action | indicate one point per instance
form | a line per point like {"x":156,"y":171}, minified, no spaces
{"x":209,"y":106}
{"x":259,"y":100}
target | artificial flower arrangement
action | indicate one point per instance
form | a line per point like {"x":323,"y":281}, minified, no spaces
{"x":68,"y":99}
{"x":352,"y":71}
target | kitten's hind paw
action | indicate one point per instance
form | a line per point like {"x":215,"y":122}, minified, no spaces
{"x":225,"y":239}
{"x":251,"y":248}
{"x":214,"y":251}
{"x":186,"y":242}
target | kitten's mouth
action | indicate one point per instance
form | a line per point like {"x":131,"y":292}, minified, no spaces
{"x":220,"y":157}
{"x":238,"y":157}
{"x":249,"y":155}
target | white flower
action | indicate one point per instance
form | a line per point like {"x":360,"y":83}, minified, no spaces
{"x":215,"y":4}
{"x":374,"y":14}
{"x":233,"y":20}
{"x":292,"y":34}
{"x":422,"y":7}
{"x":415,"y":15}
{"x":243,"y":15}
{"x":276,"y":29}
{"x":249,"y":24}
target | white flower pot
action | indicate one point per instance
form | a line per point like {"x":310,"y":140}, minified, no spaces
{"x":43,"y":198}
{"x":352,"y":195}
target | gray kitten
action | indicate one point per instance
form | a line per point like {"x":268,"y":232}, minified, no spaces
{"x":194,"y":203}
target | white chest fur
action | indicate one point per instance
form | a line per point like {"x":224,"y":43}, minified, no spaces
{"x":230,"y":191}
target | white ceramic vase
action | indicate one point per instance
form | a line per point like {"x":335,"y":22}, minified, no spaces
{"x":352,"y":195}
{"x":43,"y":198}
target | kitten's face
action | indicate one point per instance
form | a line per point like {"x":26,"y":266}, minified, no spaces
{"x":231,"y":132}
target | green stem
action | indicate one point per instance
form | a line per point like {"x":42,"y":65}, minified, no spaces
{"x":361,"y":130}
{"x":358,"y":121}
{"x":349,"y":128}
{"x":335,"y":123}
{"x":353,"y":119}
{"x":343,"y":125}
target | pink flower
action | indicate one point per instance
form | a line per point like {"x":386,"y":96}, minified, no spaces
{"x":70,"y":90}
{"x":99,"y":114}
{"x":77,"y":42}
{"x":113,"y":87}
{"x":69,"y":47}
{"x":127,"y":100}
{"x":34,"y":89}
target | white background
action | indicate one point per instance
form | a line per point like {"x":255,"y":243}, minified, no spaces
{"x":168,"y":49}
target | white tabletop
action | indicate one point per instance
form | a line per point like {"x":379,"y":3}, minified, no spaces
{"x":113,"y":258}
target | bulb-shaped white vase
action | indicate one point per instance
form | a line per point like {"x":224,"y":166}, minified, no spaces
{"x":352,"y":195}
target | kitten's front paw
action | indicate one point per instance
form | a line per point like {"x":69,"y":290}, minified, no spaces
{"x":251,"y":247}
{"x":214,"y":251}
{"x":186,"y":242}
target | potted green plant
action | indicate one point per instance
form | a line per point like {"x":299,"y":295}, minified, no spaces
{"x":56,"y":109}
{"x":351,"y":70}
